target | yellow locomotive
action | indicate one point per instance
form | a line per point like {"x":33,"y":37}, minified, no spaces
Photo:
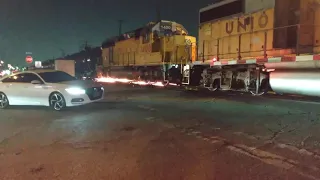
{"x":156,"y":52}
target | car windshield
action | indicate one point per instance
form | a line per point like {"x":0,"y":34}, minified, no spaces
{"x":56,"y":76}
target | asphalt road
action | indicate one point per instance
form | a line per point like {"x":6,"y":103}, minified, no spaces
{"x":143,"y":133}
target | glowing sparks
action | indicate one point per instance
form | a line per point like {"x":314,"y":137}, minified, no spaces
{"x":141,"y":83}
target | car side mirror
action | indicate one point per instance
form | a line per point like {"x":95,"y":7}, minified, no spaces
{"x":36,"y":82}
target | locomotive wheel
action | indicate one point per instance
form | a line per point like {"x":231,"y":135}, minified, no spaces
{"x":214,"y":86}
{"x":262,"y":89}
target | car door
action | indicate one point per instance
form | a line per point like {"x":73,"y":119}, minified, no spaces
{"x":38,"y":92}
{"x":13,"y":88}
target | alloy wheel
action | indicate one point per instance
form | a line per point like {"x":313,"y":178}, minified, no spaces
{"x":4,"y":102}
{"x":57,"y":101}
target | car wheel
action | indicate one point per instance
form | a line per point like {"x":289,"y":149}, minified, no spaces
{"x":57,"y":101}
{"x":4,"y":102}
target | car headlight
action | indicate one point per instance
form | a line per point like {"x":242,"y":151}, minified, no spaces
{"x":76,"y":91}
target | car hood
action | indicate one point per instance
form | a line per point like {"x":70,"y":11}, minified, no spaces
{"x":81,"y":83}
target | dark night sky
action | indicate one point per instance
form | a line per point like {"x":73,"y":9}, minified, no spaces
{"x":48,"y":27}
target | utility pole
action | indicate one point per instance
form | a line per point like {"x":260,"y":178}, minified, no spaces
{"x":120,"y":26}
{"x":63,"y":53}
{"x":86,"y":45}
{"x":158,"y":11}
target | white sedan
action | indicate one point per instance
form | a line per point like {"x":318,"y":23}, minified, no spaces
{"x":56,"y":89}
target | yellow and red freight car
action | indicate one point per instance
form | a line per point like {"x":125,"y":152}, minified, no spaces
{"x":271,"y":29}
{"x":241,"y":41}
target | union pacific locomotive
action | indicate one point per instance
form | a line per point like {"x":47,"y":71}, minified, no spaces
{"x":155,"y":52}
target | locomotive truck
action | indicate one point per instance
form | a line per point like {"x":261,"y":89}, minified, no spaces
{"x":252,"y":46}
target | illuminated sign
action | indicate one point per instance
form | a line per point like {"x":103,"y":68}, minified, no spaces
{"x":38,"y":64}
{"x":29,"y":59}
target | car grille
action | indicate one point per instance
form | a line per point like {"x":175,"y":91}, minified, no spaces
{"x":94,"y":93}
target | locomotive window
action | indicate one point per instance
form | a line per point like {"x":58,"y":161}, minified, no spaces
{"x":221,"y":11}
